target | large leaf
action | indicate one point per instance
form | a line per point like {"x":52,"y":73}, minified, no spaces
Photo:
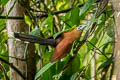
{"x":4,"y":2}
{"x":74,"y":18}
{"x":45,"y":68}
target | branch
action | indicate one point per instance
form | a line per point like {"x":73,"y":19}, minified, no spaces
{"x":44,"y":15}
{"x":11,"y":17}
{"x":13,"y":67}
{"x":34,"y":39}
{"x":59,"y":12}
{"x":98,"y":49}
{"x":41,"y":16}
{"x":4,"y":71}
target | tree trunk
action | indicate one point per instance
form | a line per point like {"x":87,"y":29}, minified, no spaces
{"x":18,"y":49}
{"x":116,"y":72}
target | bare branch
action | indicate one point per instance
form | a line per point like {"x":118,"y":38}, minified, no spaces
{"x":4,"y":71}
{"x":13,"y":67}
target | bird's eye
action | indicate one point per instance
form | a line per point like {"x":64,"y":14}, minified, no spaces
{"x":79,"y":28}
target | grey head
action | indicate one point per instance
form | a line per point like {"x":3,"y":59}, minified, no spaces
{"x":81,"y":27}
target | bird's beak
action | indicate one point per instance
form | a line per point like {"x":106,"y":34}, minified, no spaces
{"x":81,"y":27}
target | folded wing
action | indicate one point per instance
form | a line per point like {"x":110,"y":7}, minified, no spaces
{"x":62,"y":49}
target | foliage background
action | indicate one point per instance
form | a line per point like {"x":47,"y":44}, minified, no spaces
{"x":96,"y":42}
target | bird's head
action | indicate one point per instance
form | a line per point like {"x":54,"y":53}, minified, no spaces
{"x":77,"y":31}
{"x":81,"y":27}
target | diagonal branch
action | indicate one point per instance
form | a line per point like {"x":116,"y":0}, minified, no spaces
{"x":13,"y":67}
{"x":4,"y":71}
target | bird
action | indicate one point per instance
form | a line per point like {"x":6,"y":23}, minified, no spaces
{"x":65,"y":41}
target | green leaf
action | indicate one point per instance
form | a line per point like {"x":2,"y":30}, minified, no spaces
{"x":45,"y":68}
{"x":110,"y":29}
{"x":48,"y":21}
{"x":92,"y":43}
{"x":28,"y":20}
{"x":67,"y":16}
{"x":2,"y":25}
{"x":86,"y":6}
{"x":107,"y":48}
{"x":75,"y":64}
{"x":36,"y":32}
{"x":74,"y":76}
{"x":106,"y":63}
{"x":4,"y":2}
{"x":74,"y":18}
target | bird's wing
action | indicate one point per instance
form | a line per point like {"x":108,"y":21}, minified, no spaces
{"x":62,"y":49}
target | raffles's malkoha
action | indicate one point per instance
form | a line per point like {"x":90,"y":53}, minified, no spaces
{"x":65,"y":42}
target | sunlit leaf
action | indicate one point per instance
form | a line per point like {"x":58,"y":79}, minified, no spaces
{"x":28,"y":20}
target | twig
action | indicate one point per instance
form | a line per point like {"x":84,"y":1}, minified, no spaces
{"x":103,"y":9}
{"x":45,"y":6}
{"x":40,"y":16}
{"x":12,"y":17}
{"x":44,"y":15}
{"x":38,"y":10}
{"x":72,"y":3}
{"x":97,"y":49}
{"x":4,"y":71}
{"x":53,"y":3}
